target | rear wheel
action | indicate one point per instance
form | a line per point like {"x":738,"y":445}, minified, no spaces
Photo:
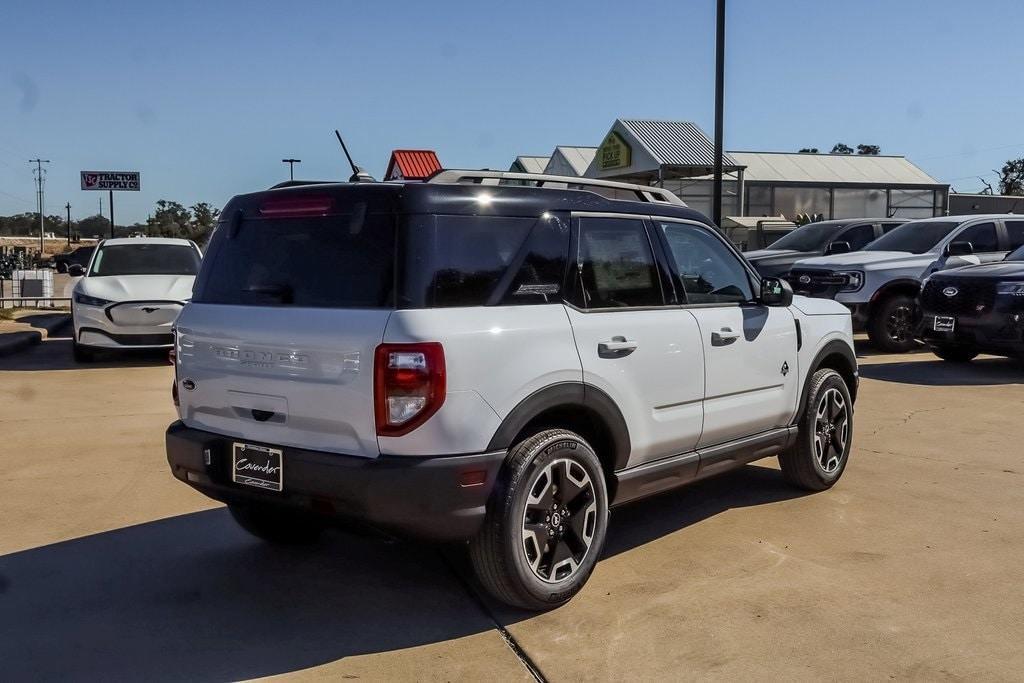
{"x":545,"y":524}
{"x":955,"y":354}
{"x":891,"y":327}
{"x":278,"y":526}
{"x":818,"y":458}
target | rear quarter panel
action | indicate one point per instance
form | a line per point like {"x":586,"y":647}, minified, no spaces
{"x":495,"y":356}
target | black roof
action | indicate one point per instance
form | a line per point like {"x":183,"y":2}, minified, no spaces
{"x":460,"y":199}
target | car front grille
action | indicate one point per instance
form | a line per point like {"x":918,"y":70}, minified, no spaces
{"x":958,"y":296}
{"x":817,"y":283}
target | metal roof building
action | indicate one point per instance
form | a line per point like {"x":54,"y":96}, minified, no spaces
{"x":529,"y":164}
{"x":679,"y":156}
{"x":570,"y":161}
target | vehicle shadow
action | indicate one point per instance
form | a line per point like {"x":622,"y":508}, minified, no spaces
{"x":55,"y":353}
{"x":38,"y":320}
{"x":940,"y":373}
{"x":195,"y":598}
{"x":865,"y":349}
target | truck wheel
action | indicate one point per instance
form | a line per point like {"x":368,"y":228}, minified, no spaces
{"x":891,"y":327}
{"x":955,"y":354}
{"x":62,"y":267}
{"x":278,"y":526}
{"x":817,"y":459}
{"x":545,"y":524}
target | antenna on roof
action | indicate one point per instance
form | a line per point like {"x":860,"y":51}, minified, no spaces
{"x":359,"y":175}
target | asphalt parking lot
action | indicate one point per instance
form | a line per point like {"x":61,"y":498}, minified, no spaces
{"x":910,"y":568}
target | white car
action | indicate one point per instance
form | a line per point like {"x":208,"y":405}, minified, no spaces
{"x":131,"y":294}
{"x":495,"y":364}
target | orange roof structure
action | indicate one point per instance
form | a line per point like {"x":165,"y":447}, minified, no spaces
{"x":412,"y":164}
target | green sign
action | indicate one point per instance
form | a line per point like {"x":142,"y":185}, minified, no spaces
{"x":613,"y":152}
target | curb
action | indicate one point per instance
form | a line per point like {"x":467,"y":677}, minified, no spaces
{"x":19,"y":340}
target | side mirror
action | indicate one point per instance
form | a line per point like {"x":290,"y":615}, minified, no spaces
{"x":839,"y":247}
{"x":959,"y":249}
{"x":776,"y":292}
{"x":75,"y":270}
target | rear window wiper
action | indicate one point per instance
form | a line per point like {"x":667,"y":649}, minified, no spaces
{"x":282,"y":292}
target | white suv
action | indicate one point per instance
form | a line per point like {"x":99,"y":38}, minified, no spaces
{"x":492,"y":358}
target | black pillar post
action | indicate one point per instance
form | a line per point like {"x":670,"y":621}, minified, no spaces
{"x":719,"y":102}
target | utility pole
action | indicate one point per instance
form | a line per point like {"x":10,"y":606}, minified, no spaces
{"x":68,"y":207}
{"x":716,"y":199}
{"x":291,"y":166}
{"x":40,"y":175}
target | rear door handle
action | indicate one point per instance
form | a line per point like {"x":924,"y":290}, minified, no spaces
{"x":616,"y":347}
{"x":724,"y":337}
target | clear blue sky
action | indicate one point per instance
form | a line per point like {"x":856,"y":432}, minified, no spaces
{"x":205,"y":98}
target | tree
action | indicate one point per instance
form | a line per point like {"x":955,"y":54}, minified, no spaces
{"x":808,"y":150}
{"x":94,"y":225}
{"x":204,"y":220}
{"x":869,"y":150}
{"x":841,"y":148}
{"x":170,"y":219}
{"x":1011,"y":177}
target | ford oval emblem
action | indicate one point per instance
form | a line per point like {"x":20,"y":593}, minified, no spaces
{"x":188,"y":384}
{"x":805,"y":279}
{"x":951,"y":291}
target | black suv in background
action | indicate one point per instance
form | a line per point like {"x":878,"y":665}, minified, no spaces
{"x":975,"y":309}
{"x":819,"y":239}
{"x":79,"y":256}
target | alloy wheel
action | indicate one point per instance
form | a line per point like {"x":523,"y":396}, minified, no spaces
{"x":560,"y":520}
{"x":831,"y":430}
{"x":900,"y":323}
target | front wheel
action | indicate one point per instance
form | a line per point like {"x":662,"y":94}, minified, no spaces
{"x":278,"y":526}
{"x":545,"y":524}
{"x":955,"y":354}
{"x":818,"y":458}
{"x":891,"y":327}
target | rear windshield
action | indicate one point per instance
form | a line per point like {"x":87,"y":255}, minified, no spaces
{"x":917,"y":237}
{"x":350,"y":261}
{"x":145,"y":259}
{"x":324,"y":262}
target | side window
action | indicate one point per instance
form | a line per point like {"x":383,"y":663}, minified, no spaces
{"x":710,"y":272}
{"x":858,"y":236}
{"x":1015,"y":231}
{"x":981,"y":236}
{"x":616,"y":266}
{"x":886,"y":227}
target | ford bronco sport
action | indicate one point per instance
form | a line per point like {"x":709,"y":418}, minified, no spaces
{"x":496,"y":359}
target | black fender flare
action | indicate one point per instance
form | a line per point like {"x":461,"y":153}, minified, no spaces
{"x":567,"y":395}
{"x":898,"y":283}
{"x":836,"y":346}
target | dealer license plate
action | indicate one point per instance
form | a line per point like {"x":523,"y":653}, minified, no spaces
{"x":257,"y":466}
{"x":944,"y":323}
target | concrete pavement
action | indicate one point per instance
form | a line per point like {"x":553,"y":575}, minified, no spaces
{"x":909,"y":568}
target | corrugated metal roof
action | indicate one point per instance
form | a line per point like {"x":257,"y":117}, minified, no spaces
{"x":831,"y":168}
{"x":578,"y":158}
{"x":530,"y":164}
{"x":675,"y":143}
{"x":412,"y":164}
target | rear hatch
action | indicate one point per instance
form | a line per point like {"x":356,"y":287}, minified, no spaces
{"x":292,"y":299}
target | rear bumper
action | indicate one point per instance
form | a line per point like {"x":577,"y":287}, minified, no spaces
{"x":419,"y":497}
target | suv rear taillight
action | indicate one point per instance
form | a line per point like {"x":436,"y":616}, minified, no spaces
{"x":408,"y":385}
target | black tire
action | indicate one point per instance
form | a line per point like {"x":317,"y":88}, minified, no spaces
{"x":955,"y":354}
{"x":819,"y":456}
{"x":891,"y":327}
{"x":275,"y":525}
{"x":62,"y":267}
{"x":507,"y":554}
{"x":83,"y":354}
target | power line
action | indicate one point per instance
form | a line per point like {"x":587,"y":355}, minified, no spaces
{"x":40,"y":174}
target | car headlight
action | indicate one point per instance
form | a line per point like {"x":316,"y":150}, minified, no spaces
{"x":1010,"y":288}
{"x":87,"y":300}
{"x":854,"y":280}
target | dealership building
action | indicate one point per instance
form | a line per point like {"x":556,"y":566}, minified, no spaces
{"x":679,"y":156}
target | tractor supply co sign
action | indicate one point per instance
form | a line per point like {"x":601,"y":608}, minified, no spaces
{"x":111,"y":180}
